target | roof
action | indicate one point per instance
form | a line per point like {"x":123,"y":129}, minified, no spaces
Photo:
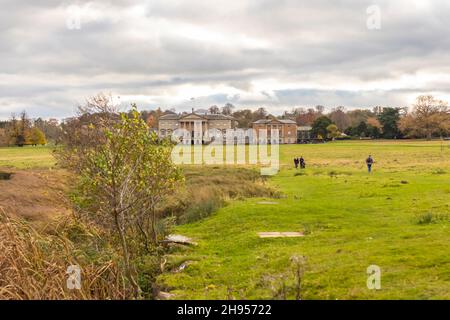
{"x":212,"y":116}
{"x":170,"y":116}
{"x":265,"y":121}
{"x":288,"y":121}
{"x":174,"y":116}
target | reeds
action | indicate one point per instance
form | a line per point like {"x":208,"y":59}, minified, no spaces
{"x":33,"y":265}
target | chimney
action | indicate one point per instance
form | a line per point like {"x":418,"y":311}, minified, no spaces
{"x":192,"y":110}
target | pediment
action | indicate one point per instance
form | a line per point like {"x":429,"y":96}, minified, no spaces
{"x":192,"y":116}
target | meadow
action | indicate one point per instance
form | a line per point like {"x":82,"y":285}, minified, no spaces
{"x":396,"y":218}
{"x":27,"y":157}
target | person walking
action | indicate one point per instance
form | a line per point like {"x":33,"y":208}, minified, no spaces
{"x":296,"y":163}
{"x":302,"y":163}
{"x":369,"y":162}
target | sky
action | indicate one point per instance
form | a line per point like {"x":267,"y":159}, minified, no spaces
{"x":276,"y":54}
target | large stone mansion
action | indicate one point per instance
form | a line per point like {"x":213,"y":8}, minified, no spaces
{"x":199,"y":122}
{"x":196,"y":122}
{"x":287,"y":129}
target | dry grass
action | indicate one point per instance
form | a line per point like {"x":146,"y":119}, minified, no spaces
{"x":211,"y":187}
{"x":34,"y":265}
{"x":36,"y":195}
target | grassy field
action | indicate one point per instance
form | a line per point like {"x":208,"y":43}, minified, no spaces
{"x":396,"y":218}
{"x":27,"y":157}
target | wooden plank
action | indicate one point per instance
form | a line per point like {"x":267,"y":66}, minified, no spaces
{"x":280,"y":234}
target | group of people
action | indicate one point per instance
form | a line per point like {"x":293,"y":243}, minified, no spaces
{"x":301,"y":162}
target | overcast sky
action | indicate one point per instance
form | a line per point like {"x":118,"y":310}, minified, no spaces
{"x":277,"y":54}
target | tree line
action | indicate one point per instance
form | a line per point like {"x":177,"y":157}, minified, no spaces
{"x":21,"y":131}
{"x":428,"y":117}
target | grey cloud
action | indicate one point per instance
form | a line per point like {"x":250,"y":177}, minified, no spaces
{"x":170,"y":45}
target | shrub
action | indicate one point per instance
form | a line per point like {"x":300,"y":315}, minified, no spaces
{"x":439,"y":171}
{"x":202,"y":209}
{"x":430,"y":217}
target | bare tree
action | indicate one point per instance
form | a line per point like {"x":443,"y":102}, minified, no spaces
{"x":227,"y":109}
{"x":429,"y":117}
{"x":214,"y":109}
{"x":340,"y":118}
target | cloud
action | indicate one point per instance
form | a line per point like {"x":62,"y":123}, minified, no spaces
{"x":252,"y":53}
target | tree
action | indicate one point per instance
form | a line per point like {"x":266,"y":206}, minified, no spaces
{"x":51,"y":128}
{"x":359,"y":115}
{"x":261,"y":113}
{"x":320,"y":125}
{"x":372,"y":121}
{"x":306,"y":118}
{"x":37,"y":137}
{"x":227,"y":109}
{"x":333,"y":131}
{"x":429,"y":117}
{"x":214,"y":109}
{"x":123,"y":180}
{"x":320,"y":109}
{"x":21,"y":129}
{"x":374,"y":127}
{"x":340,"y":118}
{"x":150,"y":121}
{"x":377,"y":110}
{"x":389,"y":119}
{"x":373,"y":132}
{"x":4,"y":139}
{"x":361,"y":129}
{"x":244,"y":118}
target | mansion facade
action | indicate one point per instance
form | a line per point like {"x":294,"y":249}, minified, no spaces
{"x":286,"y":129}
{"x":195,"y":124}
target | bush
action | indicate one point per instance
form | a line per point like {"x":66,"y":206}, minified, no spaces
{"x":202,"y":209}
{"x":439,"y":171}
{"x":430,"y":217}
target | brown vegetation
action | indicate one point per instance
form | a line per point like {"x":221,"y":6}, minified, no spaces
{"x":35,"y":195}
{"x":34,"y":264}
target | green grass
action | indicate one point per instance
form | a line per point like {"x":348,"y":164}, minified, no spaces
{"x":396,"y":218}
{"x":27,"y":157}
